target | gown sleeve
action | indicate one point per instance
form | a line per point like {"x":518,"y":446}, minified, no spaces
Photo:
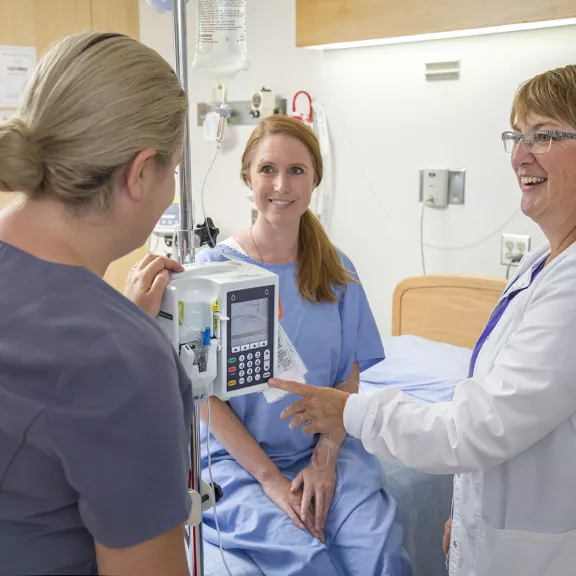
{"x":361,"y":341}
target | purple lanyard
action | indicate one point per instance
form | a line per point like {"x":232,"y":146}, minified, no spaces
{"x":497,"y":315}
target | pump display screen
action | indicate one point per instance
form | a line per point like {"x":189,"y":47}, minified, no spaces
{"x":249,"y":323}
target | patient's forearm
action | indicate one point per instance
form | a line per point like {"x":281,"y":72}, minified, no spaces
{"x":237,"y":441}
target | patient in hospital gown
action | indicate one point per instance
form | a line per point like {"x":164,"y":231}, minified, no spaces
{"x":363,"y":537}
{"x":350,"y":528}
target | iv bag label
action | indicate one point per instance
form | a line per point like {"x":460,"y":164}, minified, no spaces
{"x":227,"y":16}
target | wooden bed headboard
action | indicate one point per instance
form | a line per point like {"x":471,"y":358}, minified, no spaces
{"x":446,"y":308}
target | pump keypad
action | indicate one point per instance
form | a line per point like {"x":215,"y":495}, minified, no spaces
{"x":251,"y":336}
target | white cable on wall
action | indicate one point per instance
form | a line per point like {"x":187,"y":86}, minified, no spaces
{"x":425,"y":204}
{"x":466,"y":246}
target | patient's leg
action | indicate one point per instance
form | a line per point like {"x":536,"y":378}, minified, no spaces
{"x":369,"y":542}
{"x":249,"y":521}
{"x":363,"y":533}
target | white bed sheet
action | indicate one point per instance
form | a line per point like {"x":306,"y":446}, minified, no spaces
{"x":423,"y":369}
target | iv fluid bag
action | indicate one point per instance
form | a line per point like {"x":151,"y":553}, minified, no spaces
{"x":221,"y":39}
{"x":163,"y":6}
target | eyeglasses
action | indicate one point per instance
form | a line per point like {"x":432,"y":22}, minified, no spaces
{"x":537,"y":141}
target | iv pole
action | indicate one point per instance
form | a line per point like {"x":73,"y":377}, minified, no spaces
{"x":186,"y":251}
{"x":186,"y":254}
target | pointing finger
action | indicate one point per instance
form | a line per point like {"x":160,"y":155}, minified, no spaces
{"x":292,"y":387}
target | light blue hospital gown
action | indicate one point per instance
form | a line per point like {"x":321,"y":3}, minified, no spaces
{"x":363,"y":535}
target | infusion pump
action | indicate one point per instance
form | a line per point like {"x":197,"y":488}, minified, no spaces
{"x":236,"y":304}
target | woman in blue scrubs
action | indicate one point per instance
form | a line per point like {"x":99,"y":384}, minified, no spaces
{"x":95,"y":408}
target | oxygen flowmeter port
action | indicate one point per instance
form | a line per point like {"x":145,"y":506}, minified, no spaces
{"x":263,"y":104}
{"x":241,"y":112}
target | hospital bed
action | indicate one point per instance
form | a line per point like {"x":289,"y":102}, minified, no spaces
{"x":436,"y":321}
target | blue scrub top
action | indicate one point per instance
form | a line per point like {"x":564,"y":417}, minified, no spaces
{"x":95,"y":413}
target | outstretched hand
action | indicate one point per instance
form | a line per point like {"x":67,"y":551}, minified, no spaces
{"x":320,"y":410}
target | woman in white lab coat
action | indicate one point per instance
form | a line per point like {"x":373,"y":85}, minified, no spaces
{"x":509,"y":435}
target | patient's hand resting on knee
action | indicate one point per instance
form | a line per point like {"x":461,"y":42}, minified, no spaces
{"x":279,"y":491}
{"x":319,"y":481}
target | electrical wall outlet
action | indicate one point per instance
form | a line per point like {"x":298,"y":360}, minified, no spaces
{"x":513,"y":245}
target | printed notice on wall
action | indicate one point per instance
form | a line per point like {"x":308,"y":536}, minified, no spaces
{"x":17,"y":65}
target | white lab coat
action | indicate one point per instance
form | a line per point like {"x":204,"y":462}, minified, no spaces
{"x":509,"y":435}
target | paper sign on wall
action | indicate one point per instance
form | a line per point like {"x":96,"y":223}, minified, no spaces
{"x":17,"y":65}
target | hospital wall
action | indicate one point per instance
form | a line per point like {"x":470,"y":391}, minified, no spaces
{"x":275,"y":63}
{"x":386,"y":122}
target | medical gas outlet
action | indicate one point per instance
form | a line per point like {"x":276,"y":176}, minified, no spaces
{"x":440,"y":187}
